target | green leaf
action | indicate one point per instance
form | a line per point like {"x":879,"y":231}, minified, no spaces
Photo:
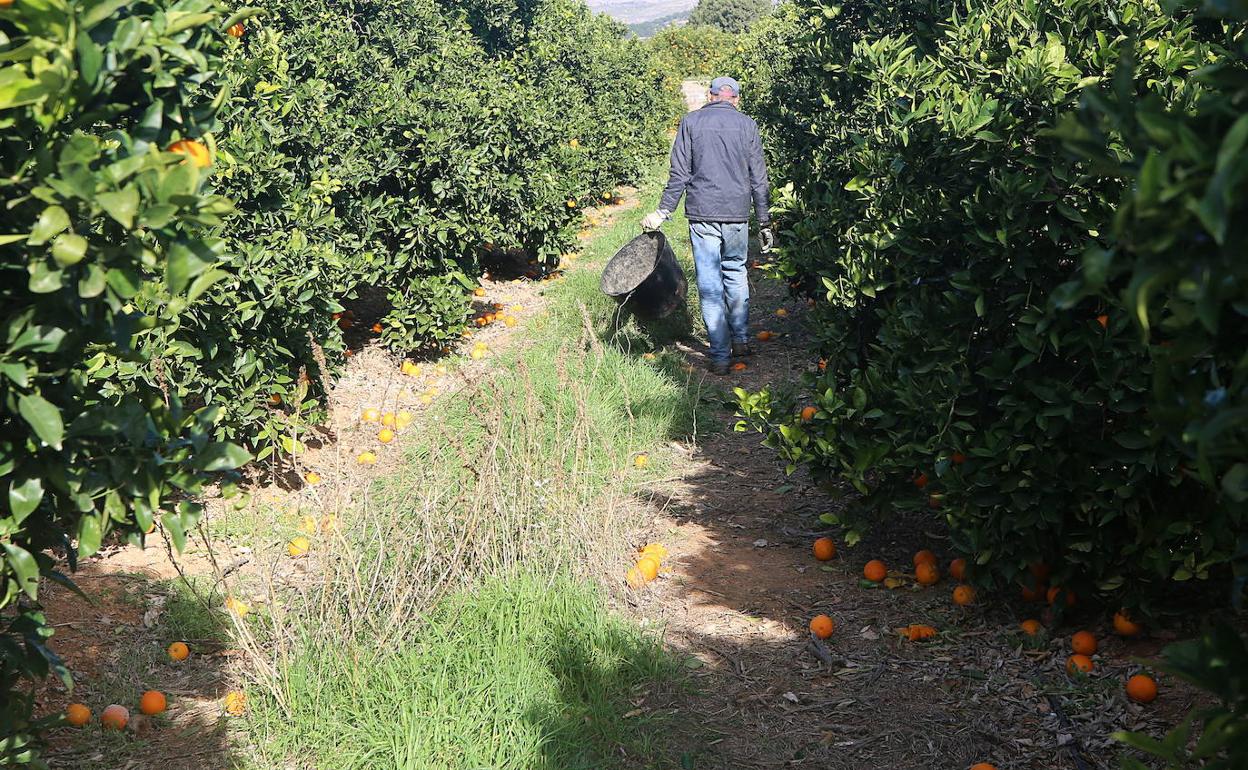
{"x":24,"y":496}
{"x":43,"y":417}
{"x":121,"y":205}
{"x":25,"y":567}
{"x":90,"y":533}
{"x":69,"y":249}
{"x":51,"y":223}
{"x":221,"y":456}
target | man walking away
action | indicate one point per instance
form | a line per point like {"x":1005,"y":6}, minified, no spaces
{"x":717,"y":161}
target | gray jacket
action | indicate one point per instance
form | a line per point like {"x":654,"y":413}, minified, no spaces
{"x":718,"y":160}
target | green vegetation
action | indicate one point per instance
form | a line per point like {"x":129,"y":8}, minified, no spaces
{"x":729,"y":15}
{"x":692,"y":52}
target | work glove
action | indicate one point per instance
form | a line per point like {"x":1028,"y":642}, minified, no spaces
{"x":654,"y":220}
{"x":766,"y":239}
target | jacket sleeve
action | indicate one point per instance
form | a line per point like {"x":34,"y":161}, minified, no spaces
{"x":760,"y":185}
{"x":682,"y":152}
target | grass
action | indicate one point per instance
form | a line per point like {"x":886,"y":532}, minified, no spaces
{"x":456,"y":617}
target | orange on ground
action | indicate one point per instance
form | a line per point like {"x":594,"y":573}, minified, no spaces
{"x":509,"y":321}
{"x":957,"y":569}
{"x":377,"y":328}
{"x":115,"y":717}
{"x":410,"y":369}
{"x":1124,"y":625}
{"x":764,"y":336}
{"x":963,"y":595}
{"x":657,"y":550}
{"x":298,"y":547}
{"x":77,"y":714}
{"x":370,"y":415}
{"x":194,"y":151}
{"x":781,"y":312}
{"x":479,"y":292}
{"x":875,"y":571}
{"x":822,"y":626}
{"x":387,"y":419}
{"x":1083,"y":642}
{"x":385,"y":436}
{"x":1031,"y":627}
{"x":649,"y":567}
{"x":1051,"y":596}
{"x":983,"y":766}
{"x":1079,"y":662}
{"x":917,"y":632}
{"x":235,"y":703}
{"x":825,"y":548}
{"x":179,"y":651}
{"x":924,"y":557}
{"x":634,"y":578}
{"x":808,"y":413}
{"x":739,"y":366}
{"x":312,"y":477}
{"x":1141,"y":689}
{"x":152,"y":702}
{"x":571,"y":203}
{"x":927,"y":574}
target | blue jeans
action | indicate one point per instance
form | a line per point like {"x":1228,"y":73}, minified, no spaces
{"x":719,"y":252}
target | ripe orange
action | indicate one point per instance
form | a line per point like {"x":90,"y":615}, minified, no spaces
{"x":387,"y":419}
{"x":825,"y":548}
{"x":739,"y":366}
{"x":370,"y":415}
{"x":410,"y":369}
{"x":983,"y":766}
{"x":1079,"y":662}
{"x":1124,"y":625}
{"x":917,"y":632}
{"x":823,"y":364}
{"x":1083,"y":642}
{"x":809,"y":413}
{"x":237,"y":30}
{"x":957,"y":458}
{"x":655,"y":550}
{"x":924,"y":557}
{"x":275,"y":399}
{"x":1031,"y":627}
{"x":875,"y":571}
{"x":1051,"y":596}
{"x":763,"y":336}
{"x":964,"y":596}
{"x":822,"y":626}
{"x":648,"y":566}
{"x":1103,"y":320}
{"x":478,"y":292}
{"x":634,"y":578}
{"x":235,"y":703}
{"x":179,"y":651}
{"x":312,"y":477}
{"x":1142,"y":689}
{"x":509,"y":321}
{"x":571,"y":203}
{"x":377,"y":328}
{"x":196,"y":153}
{"x":781,"y":312}
{"x":298,"y":547}
{"x":921,"y":480}
{"x":77,"y":714}
{"x":152,"y":702}
{"x":385,"y":436}
{"x":115,"y":717}
{"x":957,"y":569}
{"x":927,"y":574}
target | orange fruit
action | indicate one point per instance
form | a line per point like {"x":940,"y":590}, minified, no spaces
{"x":648,"y":566}
{"x":77,"y":714}
{"x":809,"y":413}
{"x":781,"y":312}
{"x":509,"y":321}
{"x":236,"y":30}
{"x":571,"y":203}
{"x":275,"y":399}
{"x":312,"y":477}
{"x":115,"y":717}
{"x":478,"y":292}
{"x":763,"y":336}
{"x":385,"y":436}
{"x":823,"y":364}
{"x":370,"y":415}
{"x":196,"y":153}
{"x":179,"y":651}
{"x":957,"y":569}
{"x":387,"y":419}
{"x":957,"y":458}
{"x":410,"y":369}
{"x":235,"y":703}
{"x":822,"y":626}
{"x":1124,"y":625}
{"x":927,"y":574}
{"x":298,"y":547}
{"x":917,"y":632}
{"x":152,"y":702}
{"x":1051,"y":596}
{"x":964,"y":596}
{"x":634,"y":578}
{"x":983,"y":766}
{"x":1103,"y":320}
{"x":345,"y":323}
{"x":1031,"y":627}
{"x":641,"y":460}
{"x":921,"y":480}
{"x":377,"y":328}
{"x":1083,"y":642}
{"x":1141,"y":689}
{"x":875,"y":571}
{"x":924,"y":557}
{"x":825,"y":548}
{"x":654,"y":550}
{"x":1081,"y":663}
{"x":739,"y":366}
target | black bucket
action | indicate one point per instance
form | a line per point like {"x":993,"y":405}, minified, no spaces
{"x":645,"y":274}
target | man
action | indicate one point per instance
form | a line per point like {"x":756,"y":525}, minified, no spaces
{"x":717,"y":161}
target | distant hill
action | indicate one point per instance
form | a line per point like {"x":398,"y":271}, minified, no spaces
{"x":646,"y":29}
{"x":633,"y":12}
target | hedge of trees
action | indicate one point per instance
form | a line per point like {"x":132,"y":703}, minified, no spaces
{"x":191,"y":196}
{"x":1024,"y":225}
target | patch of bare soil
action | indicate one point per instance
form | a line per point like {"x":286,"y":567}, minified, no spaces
{"x":741,"y":586}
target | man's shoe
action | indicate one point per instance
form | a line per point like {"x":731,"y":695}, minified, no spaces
{"x":741,"y":350}
{"x":719,"y":368}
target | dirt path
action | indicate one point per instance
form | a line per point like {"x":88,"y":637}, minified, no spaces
{"x":694,"y":92}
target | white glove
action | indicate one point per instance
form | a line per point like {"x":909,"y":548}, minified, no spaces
{"x":654,"y":220}
{"x":766,"y":240}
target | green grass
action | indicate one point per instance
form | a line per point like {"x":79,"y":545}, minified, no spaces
{"x":515,"y":674}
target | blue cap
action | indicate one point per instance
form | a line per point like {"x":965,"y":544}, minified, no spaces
{"x":719,"y":84}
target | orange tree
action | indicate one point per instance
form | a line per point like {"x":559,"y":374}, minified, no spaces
{"x":93,"y":98}
{"x":374,"y":150}
{"x":974,"y":365}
